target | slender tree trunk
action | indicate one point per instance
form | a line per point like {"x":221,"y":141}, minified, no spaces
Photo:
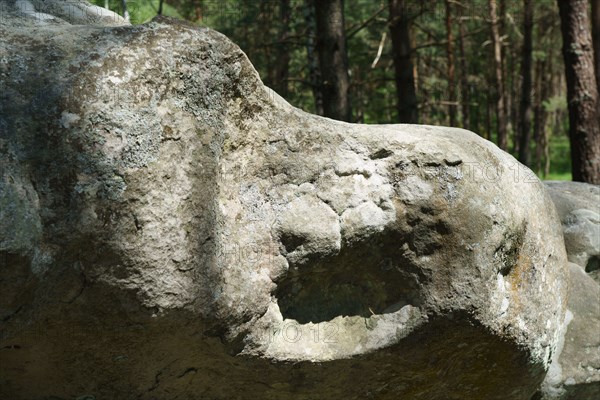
{"x":313,"y":62}
{"x":331,"y":46}
{"x":450,"y":69}
{"x":513,"y":93}
{"x":262,"y":37}
{"x":511,"y":87}
{"x":525,"y":109}
{"x":282,"y":63}
{"x":507,"y":62}
{"x":537,"y":118}
{"x":198,"y":10}
{"x":501,"y":11}
{"x":475,"y":115}
{"x":501,"y":120}
{"x":464,"y":74}
{"x":546,"y":153}
{"x":125,"y":11}
{"x":548,"y":90}
{"x":539,"y":114}
{"x":358,"y":99}
{"x":488,"y":118}
{"x":582,"y":91}
{"x":403,"y":68}
{"x":596,"y":42}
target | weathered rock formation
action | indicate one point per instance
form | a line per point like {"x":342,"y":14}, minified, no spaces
{"x":575,"y":370}
{"x":173,"y":229}
{"x":578,"y":206}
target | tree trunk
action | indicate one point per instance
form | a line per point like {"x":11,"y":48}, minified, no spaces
{"x":450,"y":69}
{"x":198,"y":10}
{"x":314,"y":70}
{"x":507,"y":62}
{"x":539,"y":116}
{"x":403,"y":68}
{"x":358,"y":98}
{"x":488,"y":118}
{"x":548,"y":90}
{"x":513,"y":93}
{"x":582,"y":91}
{"x":464,"y":74}
{"x":331,"y":46}
{"x":501,"y":120}
{"x":525,"y":109}
{"x":125,"y":11}
{"x":282,"y":64}
{"x":596,"y":42}
{"x":262,"y":39}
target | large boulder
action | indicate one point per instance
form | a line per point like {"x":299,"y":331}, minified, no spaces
{"x":173,"y":229}
{"x":578,"y":206}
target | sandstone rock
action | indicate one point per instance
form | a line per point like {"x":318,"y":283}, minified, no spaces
{"x":76,"y":12}
{"x":575,"y":370}
{"x":173,"y":229}
{"x":578,"y":206}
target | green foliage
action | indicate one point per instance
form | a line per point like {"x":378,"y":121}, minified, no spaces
{"x":560,"y":154}
{"x":555,"y":103}
{"x":539,"y":55}
{"x":140,"y":11}
{"x":558,"y":176}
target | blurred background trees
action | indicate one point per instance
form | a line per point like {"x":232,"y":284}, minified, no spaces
{"x":495,"y":67}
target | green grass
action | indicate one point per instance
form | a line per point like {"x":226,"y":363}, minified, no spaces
{"x":560,"y":159}
{"x":557,"y":176}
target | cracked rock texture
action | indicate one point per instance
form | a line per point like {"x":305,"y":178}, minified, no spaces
{"x":173,"y":229}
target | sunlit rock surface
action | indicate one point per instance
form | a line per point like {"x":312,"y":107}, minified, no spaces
{"x":173,"y":229}
{"x":575,"y":370}
{"x":578,"y":206}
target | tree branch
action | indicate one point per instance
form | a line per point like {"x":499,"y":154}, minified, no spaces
{"x":379,"y":50}
{"x":353,"y":30}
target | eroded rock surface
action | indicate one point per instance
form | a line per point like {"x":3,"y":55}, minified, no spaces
{"x":575,"y":370}
{"x":578,"y":205}
{"x":173,"y":229}
{"x":51,"y":12}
